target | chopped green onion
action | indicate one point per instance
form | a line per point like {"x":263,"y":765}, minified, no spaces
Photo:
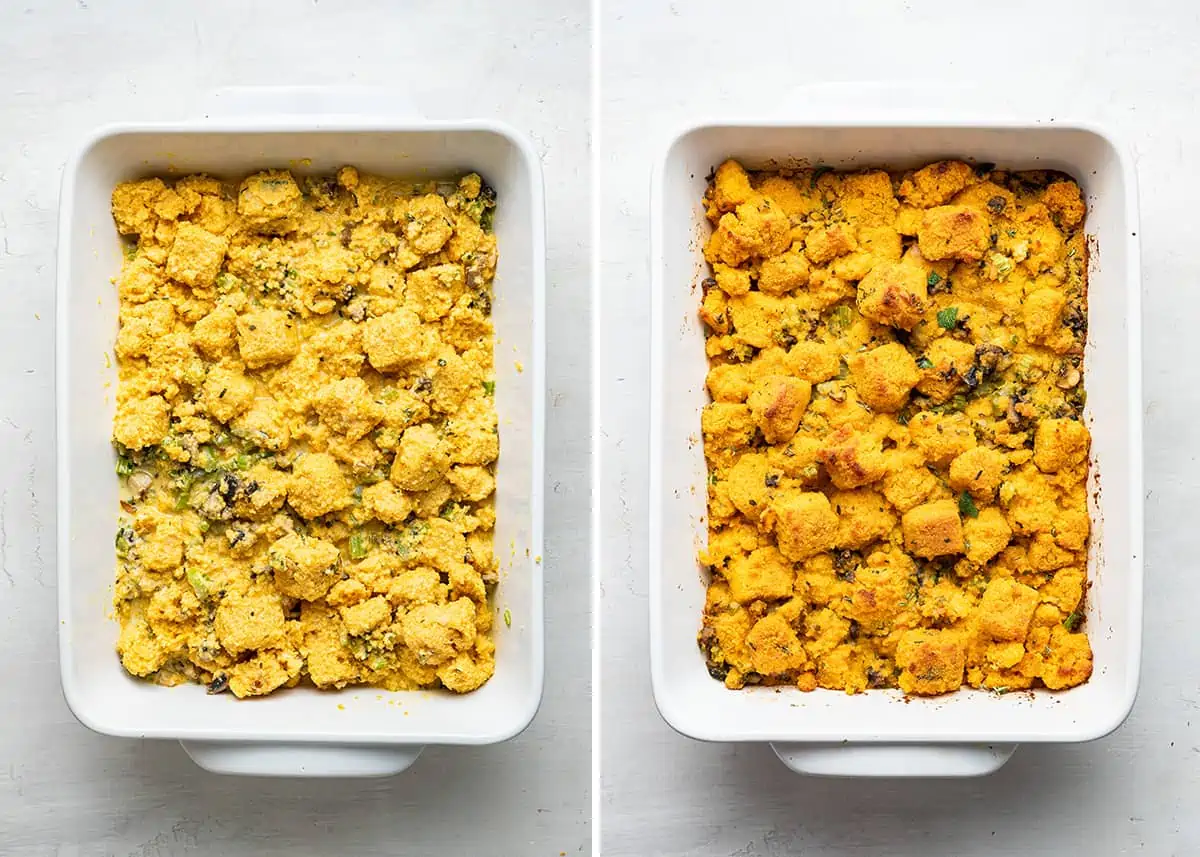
{"x":1072,"y":621}
{"x":489,"y":387}
{"x":933,"y":279}
{"x":357,"y":492}
{"x":358,"y":546}
{"x":507,"y":617}
{"x":948,"y":317}
{"x":243,"y":461}
{"x":124,"y":465}
{"x":924,"y":363}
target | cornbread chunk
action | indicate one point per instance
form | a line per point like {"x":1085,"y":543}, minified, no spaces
{"x":933,"y":529}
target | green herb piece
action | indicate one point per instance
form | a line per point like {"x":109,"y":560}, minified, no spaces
{"x":966,"y":505}
{"x":489,"y":387}
{"x":211,"y":460}
{"x":222,"y":439}
{"x":389,"y":394}
{"x":1072,"y":621}
{"x":947,"y":318}
{"x":934,"y":279}
{"x":200,"y":583}
{"x":124,"y":540}
{"x":204,"y":525}
{"x":957,"y":403}
{"x":183,"y":490}
{"x":124,"y":465}
{"x":358,"y":546}
{"x":507,"y":617}
{"x":924,"y":363}
{"x":358,"y":489}
{"x":243,"y":461}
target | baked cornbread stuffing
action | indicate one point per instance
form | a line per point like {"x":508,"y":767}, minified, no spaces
{"x":306,"y":432}
{"x":896,"y":454}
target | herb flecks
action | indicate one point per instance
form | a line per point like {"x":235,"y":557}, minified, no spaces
{"x":966,"y":505}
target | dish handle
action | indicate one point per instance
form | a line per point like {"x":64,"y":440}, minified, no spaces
{"x":894,"y":760}
{"x":301,"y":760}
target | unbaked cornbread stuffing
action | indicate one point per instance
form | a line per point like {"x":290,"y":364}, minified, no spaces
{"x":897,"y":491}
{"x":306,"y":432}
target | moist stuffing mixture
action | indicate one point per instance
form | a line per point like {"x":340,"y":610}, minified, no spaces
{"x":306,"y":432}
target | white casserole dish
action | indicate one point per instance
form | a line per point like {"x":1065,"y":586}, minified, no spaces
{"x":878,"y":732}
{"x":358,"y":731}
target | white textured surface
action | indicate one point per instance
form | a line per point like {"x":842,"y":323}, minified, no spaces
{"x":68,"y":67}
{"x":1131,"y":65}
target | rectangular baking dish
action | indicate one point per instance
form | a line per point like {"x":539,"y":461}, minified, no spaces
{"x":358,"y":731}
{"x":879,"y":732}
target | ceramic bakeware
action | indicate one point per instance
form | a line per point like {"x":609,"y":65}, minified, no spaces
{"x":879,"y":733}
{"x":300,"y":732}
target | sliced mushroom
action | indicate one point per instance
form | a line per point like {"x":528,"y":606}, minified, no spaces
{"x":139,"y":483}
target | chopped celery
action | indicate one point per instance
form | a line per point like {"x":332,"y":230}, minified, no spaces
{"x":199,"y":582}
